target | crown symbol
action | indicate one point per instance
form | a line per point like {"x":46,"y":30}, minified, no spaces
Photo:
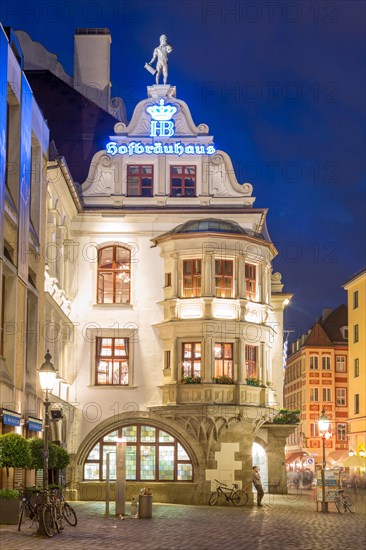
{"x":161,"y":112}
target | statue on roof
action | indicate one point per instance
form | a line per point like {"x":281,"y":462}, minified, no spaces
{"x":161,"y":53}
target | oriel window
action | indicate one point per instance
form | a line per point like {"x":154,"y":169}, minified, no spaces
{"x":223,"y":359}
{"x":191,"y":352}
{"x":224,"y":270}
{"x":192,"y":278}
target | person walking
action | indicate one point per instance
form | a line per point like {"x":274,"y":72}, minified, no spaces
{"x":257,"y":482}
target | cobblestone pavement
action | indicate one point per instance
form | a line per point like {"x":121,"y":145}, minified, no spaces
{"x":285,"y":522}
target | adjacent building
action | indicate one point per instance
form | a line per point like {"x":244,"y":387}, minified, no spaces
{"x":24,"y":139}
{"x":356,"y":291}
{"x":317,"y":371}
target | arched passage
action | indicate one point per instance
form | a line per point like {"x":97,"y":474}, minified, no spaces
{"x":259,"y":458}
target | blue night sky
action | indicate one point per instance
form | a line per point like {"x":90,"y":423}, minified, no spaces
{"x":281,"y":85}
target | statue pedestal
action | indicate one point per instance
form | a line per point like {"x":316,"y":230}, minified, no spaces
{"x":161,"y":90}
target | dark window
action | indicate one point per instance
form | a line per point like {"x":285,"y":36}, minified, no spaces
{"x":357,"y":403}
{"x":183,"y":181}
{"x":114,"y":263}
{"x":224,"y":279}
{"x":192,"y":278}
{"x":140,"y":180}
{"x":112,"y":361}
{"x":355,"y":299}
{"x":342,"y":432}
{"x":356,"y":368}
{"x":191,"y":357}
{"x":355,"y":333}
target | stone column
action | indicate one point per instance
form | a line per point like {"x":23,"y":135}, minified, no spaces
{"x":277,"y":435}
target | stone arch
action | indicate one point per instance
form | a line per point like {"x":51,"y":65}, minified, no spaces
{"x":259,"y":458}
{"x":135,"y":417}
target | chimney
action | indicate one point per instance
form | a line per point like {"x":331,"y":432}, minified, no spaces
{"x":325,"y":312}
{"x":92,"y":65}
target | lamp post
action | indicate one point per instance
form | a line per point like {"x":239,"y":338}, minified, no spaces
{"x":47,"y":377}
{"x":323,"y":424}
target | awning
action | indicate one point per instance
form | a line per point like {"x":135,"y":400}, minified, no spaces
{"x":34,"y":424}
{"x":354,"y":462}
{"x":295,"y":456}
{"x":11,"y":418}
{"x":338,"y":456}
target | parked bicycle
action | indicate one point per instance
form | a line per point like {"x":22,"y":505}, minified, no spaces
{"x":342,"y":501}
{"x":67,"y":510}
{"x":45,"y":514}
{"x":234,"y":495}
{"x":27,"y":509}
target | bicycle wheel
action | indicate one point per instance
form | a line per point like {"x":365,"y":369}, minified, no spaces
{"x":213,"y":498}
{"x":46,"y":521}
{"x":57,"y":518}
{"x":339,"y":505}
{"x":21,"y":513}
{"x":240,"y":498}
{"x":69,"y":514}
{"x":348,"y":504}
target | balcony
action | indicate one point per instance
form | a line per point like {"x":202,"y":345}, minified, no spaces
{"x":230,"y":394}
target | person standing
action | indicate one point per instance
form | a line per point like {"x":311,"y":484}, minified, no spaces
{"x":257,"y":482}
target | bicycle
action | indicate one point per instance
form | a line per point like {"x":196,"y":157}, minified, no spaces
{"x":27,"y":508}
{"x":342,"y":501}
{"x":67,"y":510}
{"x":233,"y":494}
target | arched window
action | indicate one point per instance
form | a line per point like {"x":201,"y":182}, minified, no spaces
{"x":152,"y":454}
{"x":114,"y":275}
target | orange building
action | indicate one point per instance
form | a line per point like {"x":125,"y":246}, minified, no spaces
{"x":316,"y":378}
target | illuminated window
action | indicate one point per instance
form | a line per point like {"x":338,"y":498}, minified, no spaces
{"x":140,"y":180}
{"x":114,"y":272}
{"x":313,"y":362}
{"x":314,"y":394}
{"x":224,"y":279}
{"x":314,"y":429}
{"x":223,"y":359}
{"x":250,"y":282}
{"x":183,"y":181}
{"x":191,"y":356}
{"x":192,"y":278}
{"x":341,"y":397}
{"x":251,"y":361}
{"x":326,"y":362}
{"x":327,"y":394}
{"x":342,"y":432}
{"x":151,"y":455}
{"x":112,"y":358}
{"x":340,"y":363}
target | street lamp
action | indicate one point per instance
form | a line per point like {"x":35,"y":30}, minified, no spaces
{"x":47,"y":377}
{"x":323,"y":424}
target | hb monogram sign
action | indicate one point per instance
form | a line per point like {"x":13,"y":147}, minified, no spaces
{"x":161,"y":124}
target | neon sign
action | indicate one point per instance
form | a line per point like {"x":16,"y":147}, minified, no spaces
{"x":161,"y":125}
{"x":158,"y":148}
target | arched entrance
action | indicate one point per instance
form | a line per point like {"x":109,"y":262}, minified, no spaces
{"x":259,"y":458}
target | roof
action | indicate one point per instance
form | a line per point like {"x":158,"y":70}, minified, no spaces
{"x":78,"y":126}
{"x":212,"y":225}
{"x":326,"y":331}
{"x":354,"y":277}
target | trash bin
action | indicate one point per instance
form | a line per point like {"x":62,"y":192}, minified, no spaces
{"x":145,"y":506}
